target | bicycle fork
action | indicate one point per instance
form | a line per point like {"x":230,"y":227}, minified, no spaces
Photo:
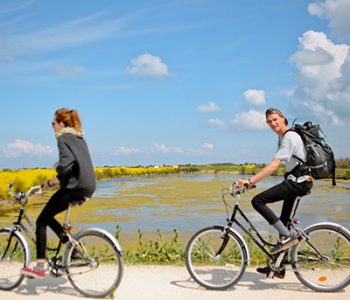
{"x":225,"y":239}
{"x":8,"y":247}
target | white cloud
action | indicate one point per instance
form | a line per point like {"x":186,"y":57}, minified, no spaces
{"x":337,"y":12}
{"x":250,"y":120}
{"x":64,"y":35}
{"x":323,"y":83}
{"x":216,"y":123}
{"x":317,"y":56}
{"x":148,"y":65}
{"x":69,"y":71}
{"x":15,"y":6}
{"x":168,"y":150}
{"x":210,"y":107}
{"x":121,"y":150}
{"x":206,"y":147}
{"x":255,"y":97}
{"x":24,"y":148}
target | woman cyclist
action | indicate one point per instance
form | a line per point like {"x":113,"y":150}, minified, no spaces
{"x":296,"y":183}
{"x":75,"y":175}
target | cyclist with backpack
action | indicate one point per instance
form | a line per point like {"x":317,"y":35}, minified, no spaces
{"x":75,"y":175}
{"x":297,"y":181}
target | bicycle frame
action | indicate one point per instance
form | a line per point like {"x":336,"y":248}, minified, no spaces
{"x":216,"y":256}
{"x":18,"y":225}
{"x":84,"y":252}
{"x":257,"y":238}
{"x":259,"y":241}
{"x":29,"y":230}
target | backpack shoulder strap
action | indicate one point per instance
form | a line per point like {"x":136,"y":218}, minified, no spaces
{"x":294,"y":156}
{"x":290,"y":129}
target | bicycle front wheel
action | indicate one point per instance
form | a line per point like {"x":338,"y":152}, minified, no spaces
{"x":13,"y":257}
{"x":95,"y":265}
{"x":322,"y":260}
{"x":215,"y":259}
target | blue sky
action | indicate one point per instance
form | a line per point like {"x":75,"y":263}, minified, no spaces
{"x":171,"y":82}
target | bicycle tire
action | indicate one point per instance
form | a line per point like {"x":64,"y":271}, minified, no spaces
{"x":217,"y":272}
{"x":13,"y":257}
{"x":95,"y":266}
{"x":330,"y":273}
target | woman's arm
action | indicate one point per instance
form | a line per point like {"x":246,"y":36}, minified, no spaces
{"x":66,"y":159}
{"x":49,"y":183}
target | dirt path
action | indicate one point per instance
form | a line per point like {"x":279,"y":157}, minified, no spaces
{"x":169,"y":282}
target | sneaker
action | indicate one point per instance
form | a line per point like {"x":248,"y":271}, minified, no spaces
{"x":33,"y":272}
{"x":266,"y":271}
{"x":285,"y":244}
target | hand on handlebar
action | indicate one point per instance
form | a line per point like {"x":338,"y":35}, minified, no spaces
{"x":49,"y":183}
{"x":244,"y":183}
{"x":240,"y":186}
{"x":45,"y":185}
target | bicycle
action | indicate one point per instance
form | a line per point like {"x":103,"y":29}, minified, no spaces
{"x":217,"y":256}
{"x":92,"y":258}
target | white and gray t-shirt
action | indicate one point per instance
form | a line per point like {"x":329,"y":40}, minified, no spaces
{"x":291,"y":144}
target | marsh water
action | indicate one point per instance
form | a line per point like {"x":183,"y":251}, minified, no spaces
{"x":188,"y":202}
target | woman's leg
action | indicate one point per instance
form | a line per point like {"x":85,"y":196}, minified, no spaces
{"x":57,"y":203}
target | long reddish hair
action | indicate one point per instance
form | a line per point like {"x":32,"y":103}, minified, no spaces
{"x":70,"y":118}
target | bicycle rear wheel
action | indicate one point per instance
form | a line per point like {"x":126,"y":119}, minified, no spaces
{"x":322,"y":261}
{"x":13,"y":257}
{"x":95,"y":266}
{"x":212,"y":269}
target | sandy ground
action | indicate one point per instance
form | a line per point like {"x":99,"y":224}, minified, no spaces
{"x":169,"y":282}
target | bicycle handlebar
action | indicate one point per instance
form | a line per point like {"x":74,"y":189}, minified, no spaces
{"x":18,"y":197}
{"x":235,"y":191}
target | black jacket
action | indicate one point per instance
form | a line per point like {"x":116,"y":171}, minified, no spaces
{"x":75,"y":170}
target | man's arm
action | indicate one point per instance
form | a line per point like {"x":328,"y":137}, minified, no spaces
{"x":266,"y":171}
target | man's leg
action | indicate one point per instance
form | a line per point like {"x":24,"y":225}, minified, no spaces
{"x":276,"y":193}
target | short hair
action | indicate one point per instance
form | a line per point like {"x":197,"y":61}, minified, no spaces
{"x":273,"y":110}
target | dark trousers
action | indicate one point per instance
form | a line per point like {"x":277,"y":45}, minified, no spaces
{"x":58,"y":202}
{"x":286,"y":191}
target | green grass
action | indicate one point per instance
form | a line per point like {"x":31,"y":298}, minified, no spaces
{"x":171,"y":251}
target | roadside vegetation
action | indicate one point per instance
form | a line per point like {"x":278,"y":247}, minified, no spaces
{"x":342,"y":169}
{"x":160,"y":250}
{"x":25,"y":178}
